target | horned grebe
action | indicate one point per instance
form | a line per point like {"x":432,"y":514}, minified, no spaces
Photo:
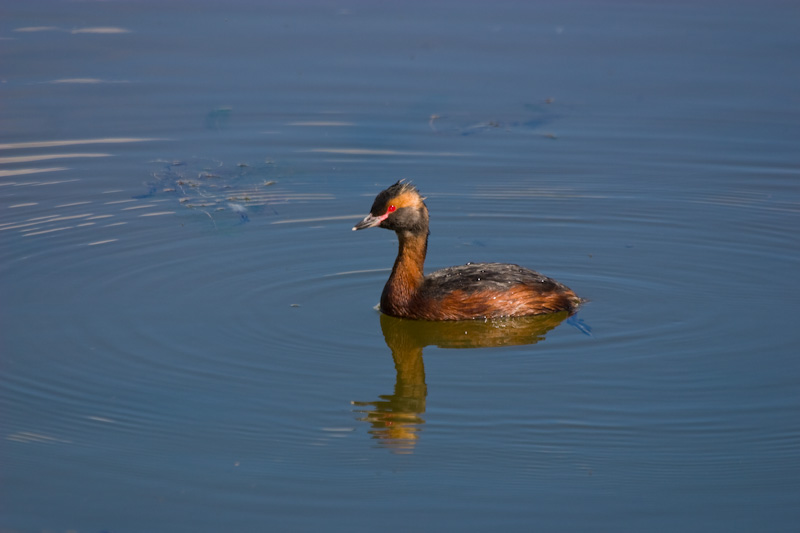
{"x":474,"y":290}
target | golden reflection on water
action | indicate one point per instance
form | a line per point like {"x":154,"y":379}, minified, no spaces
{"x":45,"y":157}
{"x":101,"y":30}
{"x":370,"y":151}
{"x":74,"y":142}
{"x":396,"y":419}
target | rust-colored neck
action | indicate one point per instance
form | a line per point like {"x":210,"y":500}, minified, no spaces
{"x":407,"y":273}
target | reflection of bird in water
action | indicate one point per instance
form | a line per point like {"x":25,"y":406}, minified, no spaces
{"x":396,"y":418}
{"x":474,"y":290}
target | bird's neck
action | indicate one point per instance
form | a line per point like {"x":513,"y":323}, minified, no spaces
{"x":407,"y":273}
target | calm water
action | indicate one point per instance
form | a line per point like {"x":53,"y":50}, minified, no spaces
{"x":189,"y":339}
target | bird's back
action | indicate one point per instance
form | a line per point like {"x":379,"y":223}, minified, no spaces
{"x":489,"y":290}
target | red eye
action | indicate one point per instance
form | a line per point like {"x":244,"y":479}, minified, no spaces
{"x":391,"y":209}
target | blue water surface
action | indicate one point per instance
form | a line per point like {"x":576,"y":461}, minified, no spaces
{"x":188,"y":328}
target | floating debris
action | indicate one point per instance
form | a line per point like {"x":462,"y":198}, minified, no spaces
{"x":531,"y":119}
{"x":240,"y":189}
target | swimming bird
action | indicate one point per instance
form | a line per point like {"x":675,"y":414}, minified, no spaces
{"x":473,"y":290}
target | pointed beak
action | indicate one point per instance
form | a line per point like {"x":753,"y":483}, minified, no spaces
{"x":369,"y":221}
